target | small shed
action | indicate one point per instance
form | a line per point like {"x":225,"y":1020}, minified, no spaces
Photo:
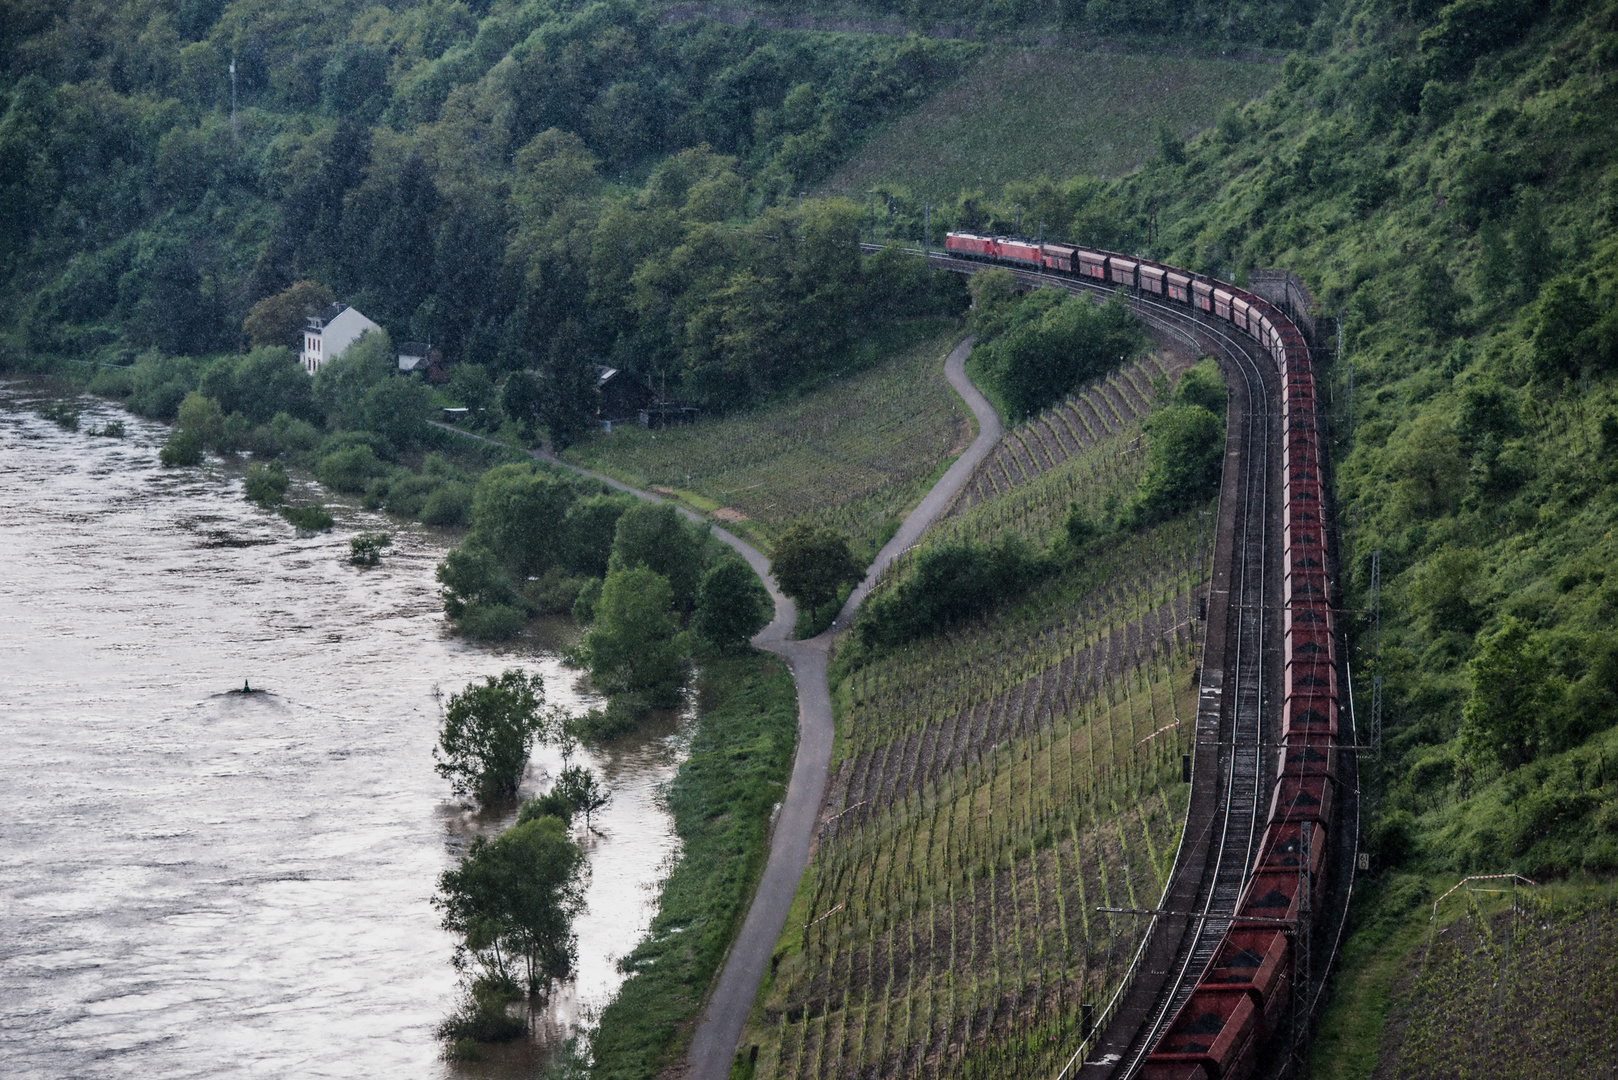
{"x":418,"y":356}
{"x":619,"y":396}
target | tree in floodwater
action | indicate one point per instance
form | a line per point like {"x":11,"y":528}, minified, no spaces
{"x":487,"y":734}
{"x":513,"y":899}
{"x":579,"y":787}
{"x":634,"y":645}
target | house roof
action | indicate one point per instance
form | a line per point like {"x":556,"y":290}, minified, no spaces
{"x":331,"y":311}
{"x":414,"y":348}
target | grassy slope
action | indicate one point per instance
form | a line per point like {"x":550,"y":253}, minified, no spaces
{"x":1020,"y":113}
{"x":741,"y":755}
{"x":994,"y":784}
{"x":855,"y":453}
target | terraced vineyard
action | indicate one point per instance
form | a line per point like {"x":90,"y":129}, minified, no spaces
{"x":1526,"y":994}
{"x":854,"y":455}
{"x":1097,"y":413}
{"x":994,"y":785}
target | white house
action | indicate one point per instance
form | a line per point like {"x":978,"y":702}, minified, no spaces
{"x":326,"y":335}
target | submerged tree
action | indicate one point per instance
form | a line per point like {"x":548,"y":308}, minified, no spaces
{"x":579,"y":787}
{"x":514,"y":897}
{"x":487,"y":734}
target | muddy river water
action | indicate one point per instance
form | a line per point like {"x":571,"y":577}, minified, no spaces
{"x":195,"y":882}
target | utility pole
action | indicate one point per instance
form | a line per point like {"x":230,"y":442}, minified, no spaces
{"x":927,"y":231}
{"x":1019,"y":219}
{"x":1348,"y":394}
{"x":1376,"y":605}
{"x":1303,"y":975}
{"x":1376,"y":717}
{"x":232,"y":99}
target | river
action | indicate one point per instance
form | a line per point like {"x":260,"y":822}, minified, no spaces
{"x":195,"y":882}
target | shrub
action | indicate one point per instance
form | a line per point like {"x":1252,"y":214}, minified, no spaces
{"x":732,"y":605}
{"x":946,"y":584}
{"x":308,"y":519}
{"x":348,"y":470}
{"x":265,"y":484}
{"x":554,"y":592}
{"x":488,"y":731}
{"x":623,"y":714}
{"x":449,"y":504}
{"x":470,"y":575}
{"x":1185,"y":449}
{"x":490,"y":622}
{"x":366,"y":548}
{"x":811,"y":563}
{"x":584,"y":608}
{"x":1203,"y":384}
{"x":482,"y":1016}
{"x":654,"y":536}
{"x":182,"y":448}
{"x":632,"y":645}
{"x":1038,"y":349}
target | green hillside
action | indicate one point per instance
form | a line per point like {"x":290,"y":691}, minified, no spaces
{"x":1020,"y":113}
{"x":1444,"y":177}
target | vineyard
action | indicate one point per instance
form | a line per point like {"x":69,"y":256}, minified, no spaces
{"x":1098,"y":413}
{"x":995,"y":784}
{"x":1521,"y":992}
{"x":1022,"y":113}
{"x":854,"y":455}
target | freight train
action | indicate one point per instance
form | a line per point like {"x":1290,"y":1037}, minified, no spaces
{"x":1241,"y":996}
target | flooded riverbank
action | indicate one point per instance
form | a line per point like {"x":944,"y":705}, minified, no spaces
{"x":195,"y":882}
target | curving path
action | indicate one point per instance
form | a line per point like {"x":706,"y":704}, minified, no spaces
{"x":720,"y":1026}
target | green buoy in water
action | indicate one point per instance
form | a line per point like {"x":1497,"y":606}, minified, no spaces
{"x":246,"y":689}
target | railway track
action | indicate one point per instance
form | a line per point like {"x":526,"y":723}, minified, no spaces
{"x":1231,"y":775}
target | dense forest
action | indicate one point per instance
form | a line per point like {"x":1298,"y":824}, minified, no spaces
{"x":529,"y":186}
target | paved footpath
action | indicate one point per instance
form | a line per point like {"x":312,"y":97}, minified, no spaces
{"x":720,"y":1027}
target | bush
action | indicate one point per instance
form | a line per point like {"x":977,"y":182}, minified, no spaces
{"x":632,"y":645}
{"x":554,"y":592}
{"x":488,"y":731}
{"x":348,"y":470}
{"x":481,"y":1016}
{"x":732,"y":605}
{"x":946,"y":584}
{"x":1185,"y":450}
{"x":490,"y":622}
{"x":623,"y":714}
{"x":1036,"y":350}
{"x":308,"y":519}
{"x":584,"y":608}
{"x":470,"y":575}
{"x":366,"y":548}
{"x":1203,"y":385}
{"x":449,"y":504}
{"x":183,"y":448}
{"x":653,"y":535}
{"x":266,"y":484}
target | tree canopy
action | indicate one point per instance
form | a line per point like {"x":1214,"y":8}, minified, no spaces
{"x":487,"y":733}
